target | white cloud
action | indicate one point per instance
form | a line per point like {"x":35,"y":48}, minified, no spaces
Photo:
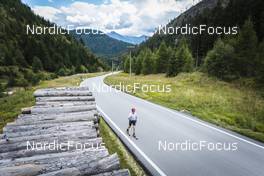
{"x":131,"y":17}
{"x":47,"y":12}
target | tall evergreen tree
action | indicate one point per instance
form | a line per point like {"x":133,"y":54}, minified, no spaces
{"x":182,"y":61}
{"x":138,"y":62}
{"x":126,"y":64}
{"x":219,"y":61}
{"x":162,"y":58}
{"x":148,"y":64}
{"x":246,"y":49}
{"x":37,"y":64}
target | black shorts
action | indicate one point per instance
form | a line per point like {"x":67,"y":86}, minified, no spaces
{"x":132,"y":122}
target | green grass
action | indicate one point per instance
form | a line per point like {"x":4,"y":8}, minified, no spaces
{"x":229,"y":105}
{"x":114,"y":145}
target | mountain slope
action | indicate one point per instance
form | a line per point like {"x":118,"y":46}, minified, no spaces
{"x":129,"y":39}
{"x":102,"y":45}
{"x":21,"y":52}
{"x":212,"y":13}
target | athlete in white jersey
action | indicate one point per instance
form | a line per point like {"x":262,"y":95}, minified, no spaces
{"x":132,"y":118}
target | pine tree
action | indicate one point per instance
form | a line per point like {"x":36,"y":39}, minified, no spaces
{"x":171,"y":70}
{"x":19,"y":58}
{"x":162,"y":58}
{"x":37,"y":64}
{"x":148,"y":64}
{"x":126,"y":64}
{"x":246,"y":49}
{"x":260,"y":65}
{"x":219,"y":61}
{"x":181,"y":61}
{"x":138,"y":62}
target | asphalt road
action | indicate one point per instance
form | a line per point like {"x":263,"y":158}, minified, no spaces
{"x":157,"y":125}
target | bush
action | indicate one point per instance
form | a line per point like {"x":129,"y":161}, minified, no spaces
{"x":20,"y":82}
{"x":64,"y":71}
{"x":82,"y":69}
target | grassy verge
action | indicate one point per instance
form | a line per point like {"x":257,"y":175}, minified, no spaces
{"x":228,"y":105}
{"x":114,"y":145}
{"x":11,"y":105}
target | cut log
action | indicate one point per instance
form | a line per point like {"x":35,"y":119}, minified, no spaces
{"x":65,"y":98}
{"x":28,"y":153}
{"x":54,"y":158}
{"x":9,"y":128}
{"x":58,"y":93}
{"x":23,"y":170}
{"x":56,"y":120}
{"x":88,"y":116}
{"x":102,"y":165}
{"x":51,"y":130}
{"x":24,"y":143}
{"x":41,"y":110}
{"x":77,"y":133}
{"x":123,"y":172}
{"x":63,"y":103}
{"x":70,"y":114}
{"x":64,"y":172}
{"x":88,"y":161}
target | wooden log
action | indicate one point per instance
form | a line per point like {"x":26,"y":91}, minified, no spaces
{"x":45,"y":132}
{"x":63,"y":103}
{"x":76,"y":133}
{"x":65,"y":88}
{"x":28,"y":153}
{"x":65,"y":98}
{"x":22,"y":170}
{"x":46,"y":117}
{"x":54,"y":157}
{"x":58,"y":93}
{"x":122,"y":172}
{"x":57,"y":161}
{"x":41,"y":110}
{"x":70,"y":114}
{"x":56,"y":120}
{"x":51,"y":130}
{"x":23,"y":143}
{"x":64,"y":172}
{"x":9,"y":128}
{"x":106,"y":164}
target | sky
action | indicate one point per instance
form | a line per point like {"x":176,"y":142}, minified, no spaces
{"x":126,"y":17}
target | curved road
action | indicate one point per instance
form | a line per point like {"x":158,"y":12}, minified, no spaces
{"x":158,"y":125}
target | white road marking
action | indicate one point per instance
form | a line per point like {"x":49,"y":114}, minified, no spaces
{"x":132,"y":143}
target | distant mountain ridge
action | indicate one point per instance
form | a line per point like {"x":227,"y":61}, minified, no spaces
{"x":128,"y":39}
{"x":102,"y":45}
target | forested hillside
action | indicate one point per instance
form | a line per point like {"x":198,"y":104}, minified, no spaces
{"x":25,"y":59}
{"x":227,"y":57}
{"x":101,"y":44}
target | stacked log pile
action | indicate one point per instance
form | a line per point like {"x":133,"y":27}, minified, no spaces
{"x":58,"y":136}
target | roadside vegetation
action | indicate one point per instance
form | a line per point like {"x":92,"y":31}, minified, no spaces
{"x":234,"y":106}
